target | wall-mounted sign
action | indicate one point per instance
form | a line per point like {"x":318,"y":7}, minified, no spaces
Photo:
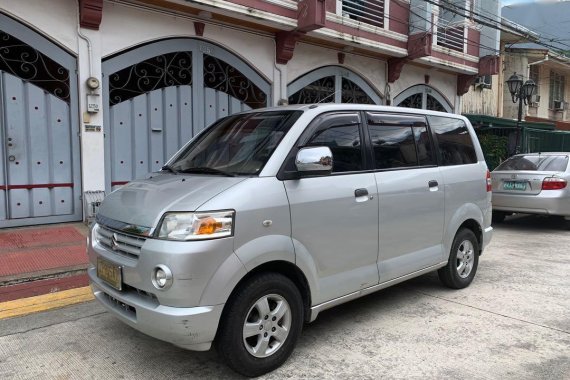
{"x":92,"y":128}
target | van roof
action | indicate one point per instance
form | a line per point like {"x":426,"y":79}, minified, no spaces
{"x":323,"y":107}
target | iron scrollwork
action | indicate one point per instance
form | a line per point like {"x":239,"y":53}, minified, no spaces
{"x":223,"y":77}
{"x":27,"y":63}
{"x":321,"y":90}
{"x":412,"y":101}
{"x":172,"y":69}
{"x":352,"y":93}
{"x":434,"y":105}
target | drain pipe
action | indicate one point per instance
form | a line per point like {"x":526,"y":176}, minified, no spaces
{"x":88,"y":41}
{"x":282,"y":87}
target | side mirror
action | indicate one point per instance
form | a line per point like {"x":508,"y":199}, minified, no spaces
{"x":314,"y":161}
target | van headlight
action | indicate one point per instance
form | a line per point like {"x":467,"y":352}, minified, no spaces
{"x":196,"y":225}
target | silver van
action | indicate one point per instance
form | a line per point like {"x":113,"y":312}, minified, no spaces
{"x":268,"y":217}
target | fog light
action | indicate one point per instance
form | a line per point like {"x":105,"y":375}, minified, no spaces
{"x":161,"y":277}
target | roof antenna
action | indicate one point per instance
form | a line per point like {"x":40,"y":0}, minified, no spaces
{"x":326,"y":97}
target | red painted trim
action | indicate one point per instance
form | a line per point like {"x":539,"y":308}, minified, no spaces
{"x":119,"y":183}
{"x":267,"y":7}
{"x":40,"y":287}
{"x":90,"y":13}
{"x":473,"y":39}
{"x":454,"y":59}
{"x":364,"y":34}
{"x":399,"y":16}
{"x":36,"y":186}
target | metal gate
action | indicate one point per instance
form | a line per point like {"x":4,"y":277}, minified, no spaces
{"x":160,"y":95}
{"x":331,"y":84}
{"x":39,"y":148}
{"x":423,"y":97}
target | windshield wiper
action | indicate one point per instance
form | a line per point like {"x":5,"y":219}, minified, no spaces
{"x":169,"y":168}
{"x":207,"y":170}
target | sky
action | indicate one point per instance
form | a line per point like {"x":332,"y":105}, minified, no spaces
{"x":509,"y":2}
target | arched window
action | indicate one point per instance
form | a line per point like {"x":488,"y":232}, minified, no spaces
{"x":332,"y":84}
{"x":424,"y":97}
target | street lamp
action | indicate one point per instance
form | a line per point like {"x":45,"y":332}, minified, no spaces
{"x":520,"y":93}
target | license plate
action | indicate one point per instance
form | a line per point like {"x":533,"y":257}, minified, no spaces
{"x":110,"y":273}
{"x":512,"y":185}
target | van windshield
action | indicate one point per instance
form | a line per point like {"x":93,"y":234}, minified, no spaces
{"x":236,"y":145}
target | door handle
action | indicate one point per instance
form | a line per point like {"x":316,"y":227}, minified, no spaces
{"x":433,"y":183}
{"x":360,"y":193}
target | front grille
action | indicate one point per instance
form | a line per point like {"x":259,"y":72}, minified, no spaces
{"x":127,"y":310}
{"x":119,"y":242}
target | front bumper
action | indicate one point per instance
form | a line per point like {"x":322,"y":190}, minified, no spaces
{"x":193,"y":328}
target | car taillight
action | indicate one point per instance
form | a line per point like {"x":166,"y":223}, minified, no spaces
{"x":489,"y":183}
{"x":553,"y":183}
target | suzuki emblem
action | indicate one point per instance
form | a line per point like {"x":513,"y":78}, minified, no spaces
{"x":114,"y":244}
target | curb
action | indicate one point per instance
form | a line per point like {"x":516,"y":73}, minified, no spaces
{"x":25,"y":306}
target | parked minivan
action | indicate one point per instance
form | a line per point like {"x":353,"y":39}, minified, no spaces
{"x":268,"y":217}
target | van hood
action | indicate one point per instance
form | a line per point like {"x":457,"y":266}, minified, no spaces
{"x":143,"y":202}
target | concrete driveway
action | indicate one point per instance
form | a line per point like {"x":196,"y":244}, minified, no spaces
{"x":513,"y":322}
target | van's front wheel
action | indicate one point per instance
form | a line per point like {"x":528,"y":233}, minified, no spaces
{"x":261,"y":324}
{"x":463,"y":261}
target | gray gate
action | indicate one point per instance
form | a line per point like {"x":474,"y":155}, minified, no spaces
{"x":160,"y":95}
{"x":39,"y":147}
{"x":332,"y":84}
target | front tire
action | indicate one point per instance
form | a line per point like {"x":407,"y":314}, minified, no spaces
{"x":261,"y":324}
{"x":463,"y":261}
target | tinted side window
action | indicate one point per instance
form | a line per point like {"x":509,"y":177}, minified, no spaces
{"x":454,"y":141}
{"x":399,"y":141}
{"x":345,"y":144}
{"x":393,"y":146}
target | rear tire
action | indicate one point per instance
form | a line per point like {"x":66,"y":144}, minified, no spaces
{"x":463,"y":261}
{"x":260,"y":325}
{"x":499,"y":216}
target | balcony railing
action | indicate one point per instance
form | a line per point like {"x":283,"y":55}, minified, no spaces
{"x":451,"y":37}
{"x":369,"y":12}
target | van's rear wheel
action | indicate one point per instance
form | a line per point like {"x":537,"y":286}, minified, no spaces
{"x":463,"y":261}
{"x":261,"y":324}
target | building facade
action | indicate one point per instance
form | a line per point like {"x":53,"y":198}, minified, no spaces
{"x":96,"y":93}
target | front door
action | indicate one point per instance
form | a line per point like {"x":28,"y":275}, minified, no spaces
{"x":39,"y":142}
{"x":335,"y":218}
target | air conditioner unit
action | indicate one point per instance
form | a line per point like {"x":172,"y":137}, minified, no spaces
{"x":483,"y":82}
{"x":558,"y":105}
{"x":534,"y":100}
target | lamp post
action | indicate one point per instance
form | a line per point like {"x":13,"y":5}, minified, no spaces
{"x":520,"y":93}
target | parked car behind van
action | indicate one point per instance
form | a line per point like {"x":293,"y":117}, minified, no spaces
{"x":532,"y":183}
{"x":268,"y":217}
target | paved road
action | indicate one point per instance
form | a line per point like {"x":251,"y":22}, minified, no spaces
{"x":513,"y":322}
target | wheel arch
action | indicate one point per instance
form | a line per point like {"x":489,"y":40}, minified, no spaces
{"x":287,"y":269}
{"x":475,"y":227}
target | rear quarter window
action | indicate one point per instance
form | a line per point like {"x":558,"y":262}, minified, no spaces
{"x":454,"y":141}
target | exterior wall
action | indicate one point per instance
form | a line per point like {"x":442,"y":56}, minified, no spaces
{"x":126,"y":26}
{"x":514,"y":63}
{"x":308,"y":57}
{"x":443,"y":82}
{"x":482,"y":101}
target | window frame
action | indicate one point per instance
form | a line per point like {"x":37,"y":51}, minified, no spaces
{"x":557,"y":82}
{"x":324,"y":121}
{"x":411,"y":125}
{"x":436,"y":142}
